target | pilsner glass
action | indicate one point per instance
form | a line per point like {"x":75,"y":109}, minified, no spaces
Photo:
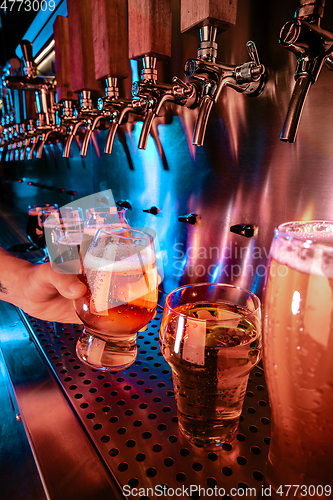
{"x":119,"y":270}
{"x":211,"y":337}
{"x":298,"y":351}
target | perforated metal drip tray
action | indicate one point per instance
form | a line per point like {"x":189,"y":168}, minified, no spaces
{"x":131,"y":418}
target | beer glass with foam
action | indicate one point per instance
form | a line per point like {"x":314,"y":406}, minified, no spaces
{"x":119,"y":270}
{"x":298,"y":351}
{"x":211,"y":337}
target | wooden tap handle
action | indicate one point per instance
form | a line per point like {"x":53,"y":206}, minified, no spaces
{"x":81,"y":46}
{"x":149,"y":26}
{"x":110,"y":35}
{"x":62,"y":59}
{"x":197,"y":13}
{"x":29,"y":108}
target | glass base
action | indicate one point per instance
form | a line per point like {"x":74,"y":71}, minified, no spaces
{"x":104,"y":353}
{"x":203,"y":433}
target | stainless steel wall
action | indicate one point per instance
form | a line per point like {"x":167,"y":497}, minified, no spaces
{"x":242,"y":175}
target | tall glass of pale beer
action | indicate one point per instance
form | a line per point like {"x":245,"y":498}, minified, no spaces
{"x":211,"y":337}
{"x":298,"y":352}
{"x":119,"y":270}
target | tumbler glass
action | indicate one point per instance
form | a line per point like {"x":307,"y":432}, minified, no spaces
{"x":211,"y":337}
{"x":298,"y":351}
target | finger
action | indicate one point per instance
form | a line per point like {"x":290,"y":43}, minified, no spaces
{"x":68,"y":285}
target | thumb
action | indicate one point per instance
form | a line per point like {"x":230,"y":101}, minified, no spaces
{"x":68,"y":285}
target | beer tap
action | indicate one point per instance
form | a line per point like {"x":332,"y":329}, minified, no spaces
{"x":313,"y":47}
{"x":248,"y":78}
{"x":44,"y":96}
{"x":83,"y":80}
{"x":109,"y":24}
{"x":150,"y":40}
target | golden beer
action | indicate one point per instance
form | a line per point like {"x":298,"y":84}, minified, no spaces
{"x":298,"y":350}
{"x":121,"y":298}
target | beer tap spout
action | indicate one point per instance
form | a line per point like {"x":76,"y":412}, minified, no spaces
{"x":313,"y":47}
{"x":91,"y":125}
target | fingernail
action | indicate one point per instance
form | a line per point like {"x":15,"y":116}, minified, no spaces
{"x":77,"y":288}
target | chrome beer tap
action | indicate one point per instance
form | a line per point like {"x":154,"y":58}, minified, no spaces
{"x":156,"y":94}
{"x":247,"y":78}
{"x":313,"y":47}
{"x":86,"y":112}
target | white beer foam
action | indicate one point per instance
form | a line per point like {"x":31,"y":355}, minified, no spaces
{"x":303,"y":255}
{"x":135,"y":261}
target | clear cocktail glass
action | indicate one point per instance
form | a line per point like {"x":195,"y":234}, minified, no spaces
{"x":211,"y":337}
{"x":119,"y":270}
{"x":298,"y":351}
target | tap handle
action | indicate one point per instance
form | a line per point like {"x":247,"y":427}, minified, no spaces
{"x":30,"y":68}
{"x":253,"y":53}
{"x":62,"y":59}
{"x":191,"y":218}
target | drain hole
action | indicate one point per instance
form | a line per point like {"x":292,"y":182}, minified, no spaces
{"x":265,"y":420}
{"x":113,"y":452}
{"x":93,"y":390}
{"x":157,"y":448}
{"x":165,"y":372}
{"x":97,"y":427}
{"x":140,"y":382}
{"x":133,"y":482}
{"x":128,"y":413}
{"x":184,"y":452}
{"x":84,"y":405}
{"x":173,"y":439}
{"x":157,"y":365}
{"x":170,"y":393}
{"x":152,"y":377}
{"x":267,"y":440}
{"x":253,"y":428}
{"x":127,"y":387}
{"x":107,"y":384}
{"x":113,"y":393}
{"x":146,"y":435}
{"x":99,"y":399}
{"x":100,"y":377}
{"x":122,"y":430}
{"x":152,"y":416}
{"x":123,"y":466}
{"x":226,"y":471}
{"x":262,"y":403}
{"x":130,"y":443}
{"x":120,"y":379}
{"x":145,"y":369}
{"x":251,"y":410}
{"x":91,"y":415}
{"x":197,"y":466}
{"x":63,"y":371}
{"x":105,"y":409}
{"x":68,"y":379}
{"x":166,"y":409}
{"x":151,"y":472}
{"x":260,"y":388}
{"x":82,"y":374}
{"x":241,"y":460}
{"x":78,"y":396}
{"x":121,"y":402}
{"x":181,"y":477}
{"x":250,"y":394}
{"x":140,"y":457}
{"x":161,"y":384}
{"x":212,"y":457}
{"x":143,"y":406}
{"x":157,"y":399}
{"x":211,"y":482}
{"x":87,"y":382}
{"x":240,"y":437}
{"x":175,"y":420}
{"x":113,"y":420}
{"x":255,"y":450}
{"x":105,"y":439}
{"x":137,"y":423}
{"x":226,"y":447}
{"x":162,"y":427}
{"x":149,"y":390}
{"x":168,"y":462}
{"x":257,"y":475}
{"x":133,"y":374}
{"x":135,"y":396}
